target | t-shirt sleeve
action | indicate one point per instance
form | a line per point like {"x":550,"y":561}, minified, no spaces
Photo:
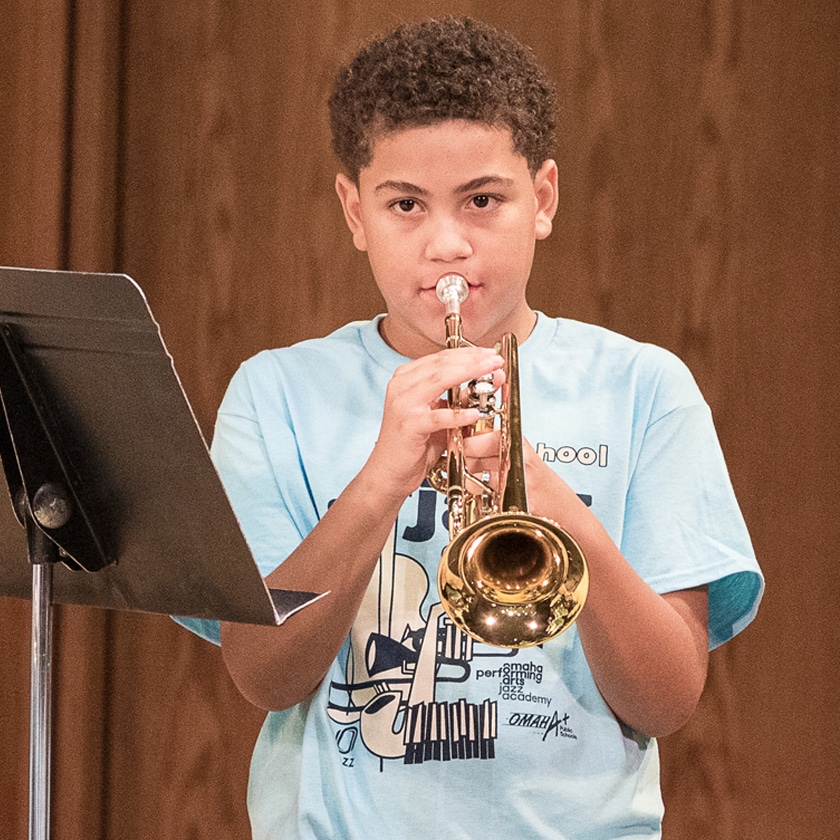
{"x":683,"y":525}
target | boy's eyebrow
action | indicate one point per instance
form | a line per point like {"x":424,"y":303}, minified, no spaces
{"x":471,"y":186}
{"x":486,"y":181}
{"x":401,"y":187}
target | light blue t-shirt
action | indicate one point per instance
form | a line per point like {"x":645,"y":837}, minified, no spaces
{"x":475,"y":741}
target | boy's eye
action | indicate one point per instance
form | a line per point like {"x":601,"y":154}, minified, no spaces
{"x":406,"y":205}
{"x":482,"y":201}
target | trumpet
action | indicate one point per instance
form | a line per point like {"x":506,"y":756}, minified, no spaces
{"x":507,"y":578}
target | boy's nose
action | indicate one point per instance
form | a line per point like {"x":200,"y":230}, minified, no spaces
{"x":447,"y":241}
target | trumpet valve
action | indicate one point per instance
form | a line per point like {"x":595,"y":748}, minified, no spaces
{"x":481,"y":393}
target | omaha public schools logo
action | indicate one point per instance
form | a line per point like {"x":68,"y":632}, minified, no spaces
{"x":554,"y":724}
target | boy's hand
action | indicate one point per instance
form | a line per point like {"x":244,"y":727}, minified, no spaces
{"x":415,"y":417}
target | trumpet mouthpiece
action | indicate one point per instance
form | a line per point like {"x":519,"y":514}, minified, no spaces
{"x":452,"y":290}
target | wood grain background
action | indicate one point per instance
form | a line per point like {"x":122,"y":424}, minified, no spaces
{"x":185,"y":143}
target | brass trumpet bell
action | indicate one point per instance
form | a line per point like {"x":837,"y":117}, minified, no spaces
{"x":513,"y":580}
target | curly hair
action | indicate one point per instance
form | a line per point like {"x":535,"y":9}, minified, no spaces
{"x":436,"y":70}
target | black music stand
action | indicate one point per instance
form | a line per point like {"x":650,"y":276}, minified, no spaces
{"x":115,"y":502}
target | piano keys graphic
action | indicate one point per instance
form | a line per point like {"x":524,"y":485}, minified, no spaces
{"x":450,"y":731}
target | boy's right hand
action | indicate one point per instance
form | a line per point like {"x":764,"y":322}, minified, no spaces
{"x":416,"y":416}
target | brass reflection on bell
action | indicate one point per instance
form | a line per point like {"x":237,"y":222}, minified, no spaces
{"x":506,"y":578}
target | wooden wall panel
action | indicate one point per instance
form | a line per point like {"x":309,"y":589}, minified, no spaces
{"x":180,"y":736}
{"x":783,"y":412}
{"x":94,"y":143}
{"x":186,"y":143}
{"x":33,"y":118}
{"x":33,"y":104}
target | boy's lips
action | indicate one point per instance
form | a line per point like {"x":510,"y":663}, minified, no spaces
{"x":432,"y":287}
{"x":429,"y":294}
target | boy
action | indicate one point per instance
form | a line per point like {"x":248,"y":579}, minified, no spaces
{"x":386,"y":720}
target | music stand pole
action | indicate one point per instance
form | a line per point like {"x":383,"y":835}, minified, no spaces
{"x":52,"y":510}
{"x":40,"y":733}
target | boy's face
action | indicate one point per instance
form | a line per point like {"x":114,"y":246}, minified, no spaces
{"x":450,"y":197}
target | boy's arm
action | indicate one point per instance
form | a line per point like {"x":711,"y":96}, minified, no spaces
{"x":648,"y":652}
{"x":277,"y":667}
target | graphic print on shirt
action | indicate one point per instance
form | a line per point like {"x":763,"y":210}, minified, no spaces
{"x":397,"y":657}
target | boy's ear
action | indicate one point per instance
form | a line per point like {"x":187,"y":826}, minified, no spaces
{"x":546,"y":192}
{"x":348,"y":194}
